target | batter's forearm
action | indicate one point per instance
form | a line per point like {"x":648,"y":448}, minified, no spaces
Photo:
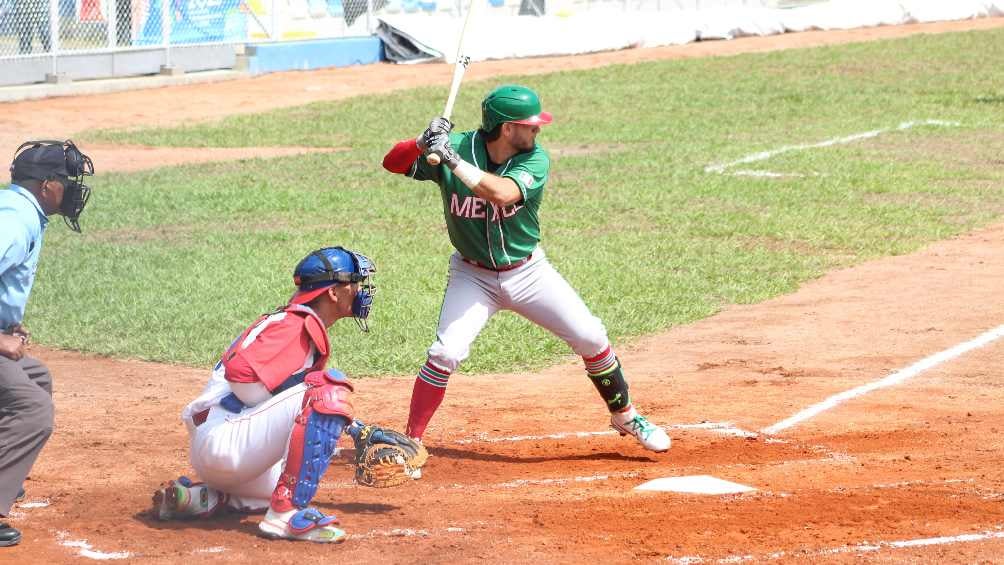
{"x":498,"y":190}
{"x":501,"y":191}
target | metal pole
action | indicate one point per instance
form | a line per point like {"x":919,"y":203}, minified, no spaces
{"x":369,"y":16}
{"x":165,"y":29}
{"x":54,"y":34}
{"x":113,"y":22}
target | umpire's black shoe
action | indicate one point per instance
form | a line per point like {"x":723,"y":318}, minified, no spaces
{"x":9,"y":535}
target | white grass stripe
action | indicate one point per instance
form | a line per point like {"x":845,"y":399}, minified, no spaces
{"x":764,"y":155}
{"x":765,"y":174}
{"x":893,"y":379}
{"x":863,"y":547}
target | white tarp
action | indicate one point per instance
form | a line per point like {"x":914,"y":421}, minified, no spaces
{"x":927,"y":11}
{"x":845,"y":14}
{"x":496,"y":36}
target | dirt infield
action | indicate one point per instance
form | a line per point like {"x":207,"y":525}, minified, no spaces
{"x":906,"y":473}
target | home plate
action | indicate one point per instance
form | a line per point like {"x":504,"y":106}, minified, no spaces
{"x":694,"y":484}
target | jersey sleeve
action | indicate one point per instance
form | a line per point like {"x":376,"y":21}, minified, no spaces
{"x":14,"y":241}
{"x":400,"y":157}
{"x":530,"y":173}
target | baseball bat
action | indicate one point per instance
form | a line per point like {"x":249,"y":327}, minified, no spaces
{"x":458,"y":75}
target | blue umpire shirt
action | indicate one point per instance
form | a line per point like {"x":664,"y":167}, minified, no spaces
{"x":22,"y":223}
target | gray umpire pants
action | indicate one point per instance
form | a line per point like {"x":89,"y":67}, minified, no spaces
{"x":26,"y":417}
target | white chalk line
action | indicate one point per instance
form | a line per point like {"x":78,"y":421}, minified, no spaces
{"x":87,"y":550}
{"x":768,"y":174}
{"x":893,"y":379}
{"x":764,"y":155}
{"x":216,"y":549}
{"x":408,"y":533}
{"x":561,"y":481}
{"x":15,"y":511}
{"x":718,"y":428}
{"x":724,"y":428}
{"x":969,"y":487}
{"x":863,"y":547}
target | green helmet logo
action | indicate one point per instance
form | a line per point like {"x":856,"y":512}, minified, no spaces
{"x":512,"y":103}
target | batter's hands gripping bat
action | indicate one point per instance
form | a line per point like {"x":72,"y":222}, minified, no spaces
{"x":458,"y":74}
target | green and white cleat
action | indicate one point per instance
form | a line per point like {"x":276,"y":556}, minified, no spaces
{"x":630,"y":422}
{"x":185,"y":499}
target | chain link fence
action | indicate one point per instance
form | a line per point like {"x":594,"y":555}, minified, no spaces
{"x":67,"y":40}
{"x":33,"y":28}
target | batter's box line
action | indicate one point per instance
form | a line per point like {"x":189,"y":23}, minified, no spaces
{"x":87,"y":550}
{"x":721,"y":168}
{"x":862,"y":547}
{"x":720,"y":428}
{"x":968,"y":486}
{"x":412,"y":532}
{"x":723,"y":428}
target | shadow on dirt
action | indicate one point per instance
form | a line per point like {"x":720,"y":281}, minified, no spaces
{"x":449,"y":453}
{"x":246,"y":523}
{"x":356,"y":507}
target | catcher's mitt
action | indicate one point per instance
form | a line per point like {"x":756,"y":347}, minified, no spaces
{"x":384,"y":457}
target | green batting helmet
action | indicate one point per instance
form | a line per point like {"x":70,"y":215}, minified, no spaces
{"x":512,"y":103}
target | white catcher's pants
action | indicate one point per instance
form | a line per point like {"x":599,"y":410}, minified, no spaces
{"x":535,"y":291}
{"x":243,"y":454}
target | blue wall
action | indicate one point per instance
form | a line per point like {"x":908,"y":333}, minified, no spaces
{"x":313,"y":54}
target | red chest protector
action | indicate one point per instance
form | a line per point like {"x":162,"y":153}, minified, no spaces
{"x":278,"y":346}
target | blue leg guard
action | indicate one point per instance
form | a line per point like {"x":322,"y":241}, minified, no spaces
{"x":320,"y":437}
{"x":327,"y":409}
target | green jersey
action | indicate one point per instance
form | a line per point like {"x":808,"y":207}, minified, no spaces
{"x":480,"y":230}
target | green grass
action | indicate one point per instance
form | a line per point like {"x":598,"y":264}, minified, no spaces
{"x":174,"y":263}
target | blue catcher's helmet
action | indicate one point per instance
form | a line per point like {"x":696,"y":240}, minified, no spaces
{"x":336,"y":265}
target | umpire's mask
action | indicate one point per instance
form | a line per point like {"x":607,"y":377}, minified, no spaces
{"x":60,"y":160}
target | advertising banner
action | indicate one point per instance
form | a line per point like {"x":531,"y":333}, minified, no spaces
{"x":195,"y":21}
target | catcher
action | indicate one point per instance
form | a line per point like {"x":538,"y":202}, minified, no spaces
{"x":267,"y":423}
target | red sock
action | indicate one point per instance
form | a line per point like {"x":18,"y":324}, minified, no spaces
{"x":430,"y":387}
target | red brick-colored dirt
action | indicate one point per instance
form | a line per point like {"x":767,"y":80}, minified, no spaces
{"x":907,"y":473}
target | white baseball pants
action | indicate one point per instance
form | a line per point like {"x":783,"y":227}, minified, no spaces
{"x":534,"y":290}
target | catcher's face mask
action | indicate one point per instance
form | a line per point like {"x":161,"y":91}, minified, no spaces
{"x":334,"y":265}
{"x":57,"y":160}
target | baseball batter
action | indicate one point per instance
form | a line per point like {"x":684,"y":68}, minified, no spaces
{"x":492,"y":184}
{"x":265,"y":426}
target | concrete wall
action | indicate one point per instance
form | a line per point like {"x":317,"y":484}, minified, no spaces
{"x":254,"y":59}
{"x":131,"y":62}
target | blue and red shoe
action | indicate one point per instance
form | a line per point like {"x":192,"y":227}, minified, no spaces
{"x":308,"y":524}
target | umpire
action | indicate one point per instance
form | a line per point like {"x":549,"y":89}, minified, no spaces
{"x":46,"y":179}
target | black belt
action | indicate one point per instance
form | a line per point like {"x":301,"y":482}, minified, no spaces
{"x":498,"y":268}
